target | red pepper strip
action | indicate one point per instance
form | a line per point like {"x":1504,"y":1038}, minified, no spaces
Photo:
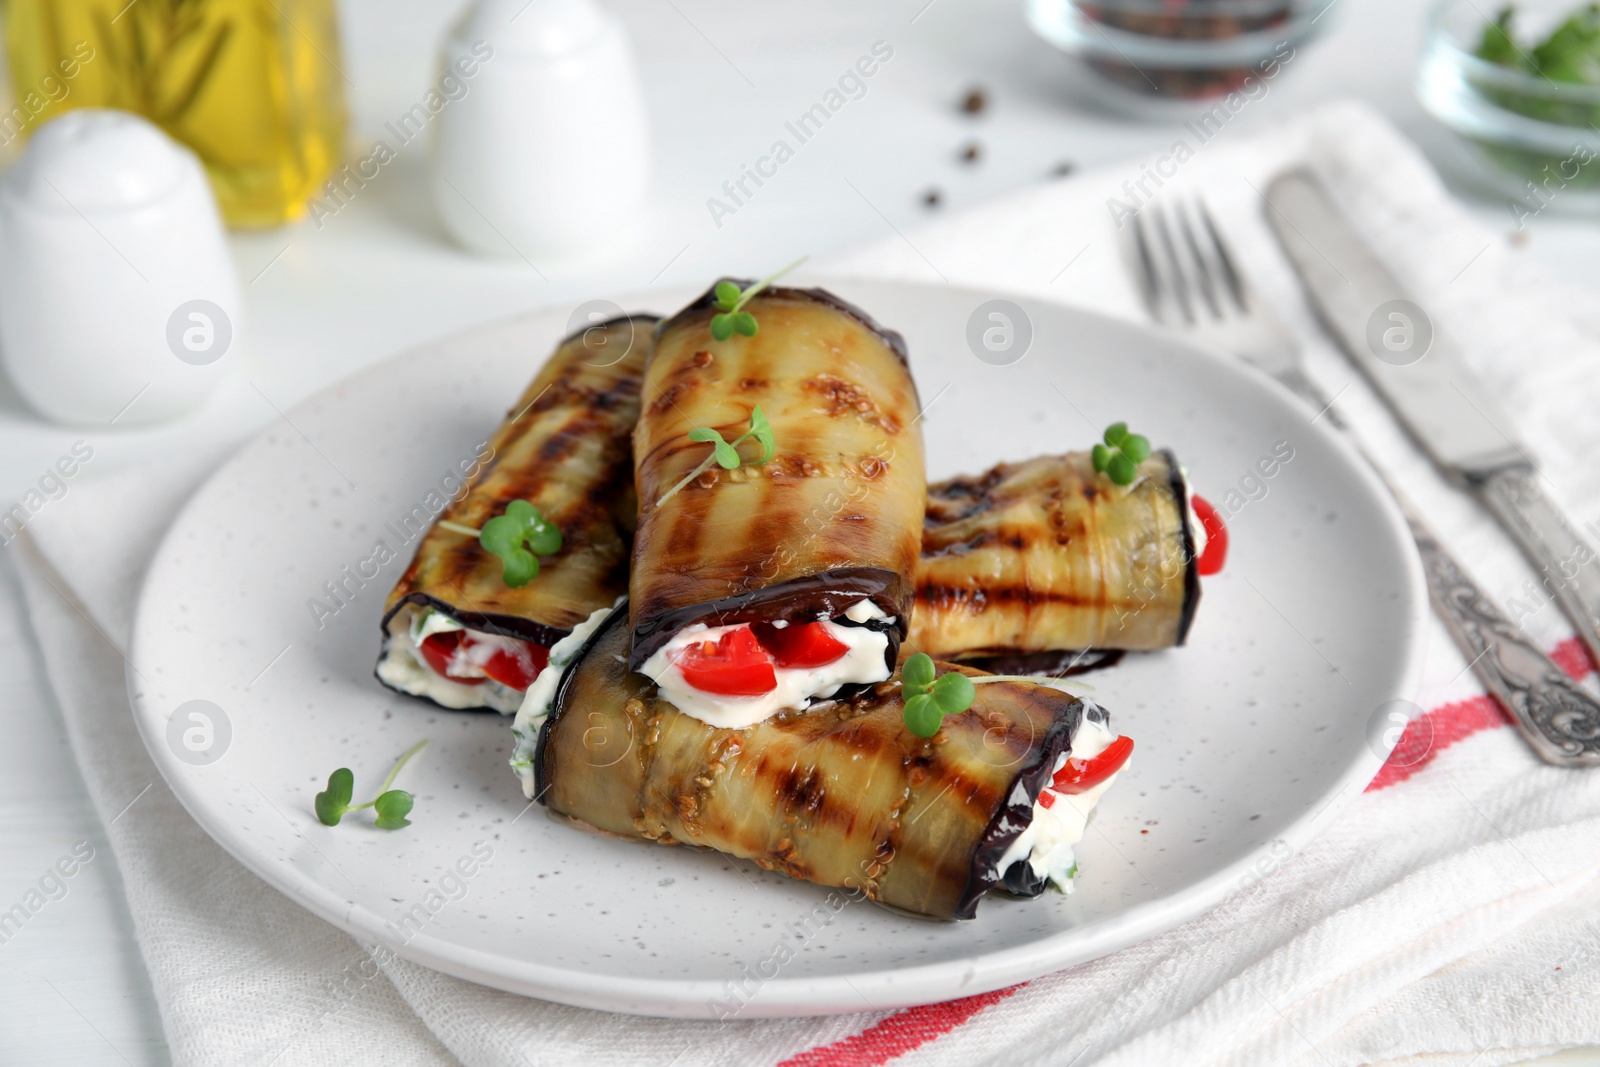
{"x":439,"y":649}
{"x":735,"y":665}
{"x":806,"y":645}
{"x":515,"y":666}
{"x":1082,"y":775}
{"x":1216,"y":553}
{"x":518,"y":665}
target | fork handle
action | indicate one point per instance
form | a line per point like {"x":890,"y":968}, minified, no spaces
{"x":1560,"y":721}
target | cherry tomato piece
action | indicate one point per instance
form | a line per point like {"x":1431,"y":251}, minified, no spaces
{"x":1216,"y":553}
{"x":1082,"y":775}
{"x":809,"y":645}
{"x":735,"y":665}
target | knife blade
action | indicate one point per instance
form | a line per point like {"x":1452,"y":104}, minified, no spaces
{"x":1419,"y":372}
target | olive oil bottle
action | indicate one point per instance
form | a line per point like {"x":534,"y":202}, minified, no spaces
{"x":254,"y":87}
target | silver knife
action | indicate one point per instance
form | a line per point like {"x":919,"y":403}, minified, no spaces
{"x":1454,"y":419}
{"x":1449,"y":413}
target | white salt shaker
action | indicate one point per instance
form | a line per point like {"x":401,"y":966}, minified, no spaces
{"x":547,"y":152}
{"x":118,"y":300}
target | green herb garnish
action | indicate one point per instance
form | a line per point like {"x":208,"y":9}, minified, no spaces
{"x":391,"y":805}
{"x":1572,"y":51}
{"x":519,"y":537}
{"x":731,"y":317}
{"x":928,"y":699}
{"x":1497,"y":45}
{"x":726,"y":453}
{"x":1570,"y":55}
{"x":1119,"y":457}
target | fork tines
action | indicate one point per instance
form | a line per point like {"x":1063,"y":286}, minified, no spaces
{"x":1184,"y":275}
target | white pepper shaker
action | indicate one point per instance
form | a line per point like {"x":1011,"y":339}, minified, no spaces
{"x":547,"y":153}
{"x":118,"y":299}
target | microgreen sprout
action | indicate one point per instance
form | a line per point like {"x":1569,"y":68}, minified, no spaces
{"x":1119,"y":457}
{"x":391,"y":805}
{"x":519,"y":537}
{"x":726,"y":453}
{"x":731,"y":317}
{"x":928,"y":699}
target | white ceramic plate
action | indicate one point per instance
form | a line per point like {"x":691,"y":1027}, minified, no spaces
{"x":1248,"y":738}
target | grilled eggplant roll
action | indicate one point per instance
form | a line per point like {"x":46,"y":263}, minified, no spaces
{"x":773,"y":584}
{"x":453,"y":631}
{"x":1030,"y":564}
{"x":841,"y":794}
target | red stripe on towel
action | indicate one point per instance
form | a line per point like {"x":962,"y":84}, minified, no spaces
{"x":1427,"y":735}
{"x":1573,"y":657}
{"x":898,"y":1034}
{"x":907,"y":1030}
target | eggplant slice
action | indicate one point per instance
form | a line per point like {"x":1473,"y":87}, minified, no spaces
{"x":565,"y":449}
{"x":841,"y":795}
{"x":1021,"y":570}
{"x":833,"y":519}
{"x":1037,"y":557}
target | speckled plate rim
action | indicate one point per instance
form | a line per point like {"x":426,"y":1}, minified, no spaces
{"x":882,"y":989}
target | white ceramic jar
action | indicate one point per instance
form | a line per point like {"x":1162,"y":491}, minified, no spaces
{"x":118,"y":299}
{"x":548,"y":152}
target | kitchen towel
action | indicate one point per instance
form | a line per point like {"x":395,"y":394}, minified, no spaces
{"x":1449,"y":916}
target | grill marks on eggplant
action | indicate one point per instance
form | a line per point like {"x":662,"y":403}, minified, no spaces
{"x":1042,"y":555}
{"x":843,"y":494}
{"x":949,"y":597}
{"x":840,"y":795}
{"x":565,"y":448}
{"x":841,"y":398}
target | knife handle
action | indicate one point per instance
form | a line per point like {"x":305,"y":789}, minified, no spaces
{"x":1567,"y":563}
{"x":1560,"y":721}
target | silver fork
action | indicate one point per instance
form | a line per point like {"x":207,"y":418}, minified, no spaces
{"x":1191,"y":283}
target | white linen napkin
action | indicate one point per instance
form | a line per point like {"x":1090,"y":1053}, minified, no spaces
{"x":1449,"y":916}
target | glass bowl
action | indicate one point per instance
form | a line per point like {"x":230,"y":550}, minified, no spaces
{"x":1536,"y":138}
{"x":1174,"y":56}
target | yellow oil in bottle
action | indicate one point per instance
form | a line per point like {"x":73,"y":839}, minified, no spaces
{"x":252,"y":86}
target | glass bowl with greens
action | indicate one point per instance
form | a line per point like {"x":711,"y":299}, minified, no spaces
{"x":1522,"y":84}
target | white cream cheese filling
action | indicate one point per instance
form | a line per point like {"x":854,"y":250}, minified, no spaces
{"x":862,"y":664}
{"x":1047,"y":843}
{"x":541,"y":695}
{"x":403,"y":667}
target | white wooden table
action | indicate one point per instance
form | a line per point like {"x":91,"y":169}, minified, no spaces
{"x":379,"y":276}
